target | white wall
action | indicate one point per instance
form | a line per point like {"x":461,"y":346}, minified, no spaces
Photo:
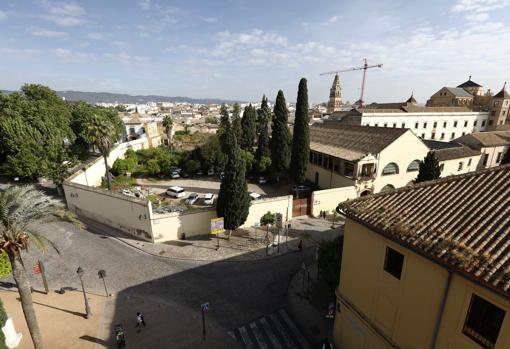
{"x":451,"y":167}
{"x":96,"y":170}
{"x":327,"y":200}
{"x":121,"y":212}
{"x":410,"y":119}
{"x":402,"y":151}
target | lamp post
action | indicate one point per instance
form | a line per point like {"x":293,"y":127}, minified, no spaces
{"x":88,"y":313}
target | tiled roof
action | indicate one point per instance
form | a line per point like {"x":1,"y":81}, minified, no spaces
{"x":486,"y":139}
{"x":502,"y":94}
{"x":469,"y":83}
{"x":450,"y":150}
{"x":351,"y":142}
{"x":459,"y":92}
{"x":461,"y":222}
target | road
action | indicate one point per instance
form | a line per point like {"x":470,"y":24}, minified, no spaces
{"x":237,"y":291}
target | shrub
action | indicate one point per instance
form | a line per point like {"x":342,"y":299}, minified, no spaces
{"x":268,"y":218}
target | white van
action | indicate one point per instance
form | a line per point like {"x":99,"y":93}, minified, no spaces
{"x":175,"y":192}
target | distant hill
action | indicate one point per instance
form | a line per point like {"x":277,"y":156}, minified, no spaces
{"x":107,"y":97}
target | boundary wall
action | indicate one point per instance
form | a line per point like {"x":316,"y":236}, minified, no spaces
{"x":327,"y":200}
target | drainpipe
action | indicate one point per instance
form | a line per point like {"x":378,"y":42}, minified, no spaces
{"x":441,"y":311}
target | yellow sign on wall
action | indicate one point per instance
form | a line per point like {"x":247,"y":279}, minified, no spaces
{"x":217,"y":226}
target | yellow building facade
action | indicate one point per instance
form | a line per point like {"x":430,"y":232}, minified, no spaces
{"x":427,"y":266}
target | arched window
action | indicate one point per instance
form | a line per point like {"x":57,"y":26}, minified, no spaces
{"x":387,"y":187}
{"x":390,"y":169}
{"x":413,"y":166}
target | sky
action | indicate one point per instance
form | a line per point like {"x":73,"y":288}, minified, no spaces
{"x":242,"y":49}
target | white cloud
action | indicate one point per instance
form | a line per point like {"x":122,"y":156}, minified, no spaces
{"x":47,"y":33}
{"x":120,"y":43}
{"x":19,"y":53}
{"x":125,"y":58}
{"x":208,"y":19}
{"x":145,"y":4}
{"x":63,"y":14}
{"x":67,"y":55}
{"x":477,"y":10}
{"x":333,"y":19}
{"x":3,"y":15}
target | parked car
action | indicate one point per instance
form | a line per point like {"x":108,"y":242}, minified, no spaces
{"x":175,"y":175}
{"x":175,"y":169}
{"x":192,"y":198}
{"x":175,"y":192}
{"x":184,"y":175}
{"x":200,"y":173}
{"x":255,"y":196}
{"x":208,"y":199}
{"x":221,"y":175}
{"x":262,"y":180}
{"x":210,"y":172}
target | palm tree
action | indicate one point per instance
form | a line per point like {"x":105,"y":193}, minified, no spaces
{"x":20,"y":208}
{"x":101,"y":132}
{"x":168,"y":124}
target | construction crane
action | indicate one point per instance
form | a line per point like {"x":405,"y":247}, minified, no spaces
{"x":364,"y":68}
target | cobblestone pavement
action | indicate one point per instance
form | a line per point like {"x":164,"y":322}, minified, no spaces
{"x":237,"y":292}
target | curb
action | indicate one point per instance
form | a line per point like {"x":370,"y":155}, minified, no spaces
{"x":97,"y":227}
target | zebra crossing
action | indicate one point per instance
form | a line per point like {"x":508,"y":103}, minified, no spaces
{"x":274,"y":331}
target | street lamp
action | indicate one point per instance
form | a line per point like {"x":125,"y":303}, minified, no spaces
{"x":88,"y":313}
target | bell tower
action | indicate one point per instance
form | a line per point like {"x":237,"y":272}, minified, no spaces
{"x":499,"y":109}
{"x":335,"y":96}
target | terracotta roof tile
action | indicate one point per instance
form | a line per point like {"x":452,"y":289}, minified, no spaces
{"x":351,"y":142}
{"x":462,"y":222}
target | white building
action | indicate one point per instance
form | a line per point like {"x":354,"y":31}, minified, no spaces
{"x":431,"y":123}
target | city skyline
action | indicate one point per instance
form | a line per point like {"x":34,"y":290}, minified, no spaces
{"x":241,"y":50}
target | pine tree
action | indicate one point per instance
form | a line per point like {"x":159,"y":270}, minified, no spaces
{"x":301,"y":136}
{"x":506,"y":157}
{"x":280,"y":140}
{"x":233,"y":200}
{"x":249,"y":126}
{"x":429,"y":168}
{"x":236,"y":121}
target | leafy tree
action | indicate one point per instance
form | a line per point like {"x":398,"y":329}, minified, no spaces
{"x":280,"y":140}
{"x":21,"y":208}
{"x":301,"y":136}
{"x":249,"y":127}
{"x":268,"y":218}
{"x":236,"y":121}
{"x":192,"y":166}
{"x":153,"y":167}
{"x":429,"y":168}
{"x":123,"y":166}
{"x":34,"y":132}
{"x":233,"y":200}
{"x":506,"y":157}
{"x":211,"y":154}
{"x":329,"y":261}
{"x":249,"y":159}
{"x":101,"y":132}
{"x":120,"y":108}
{"x":263,"y":164}
{"x":168,"y":124}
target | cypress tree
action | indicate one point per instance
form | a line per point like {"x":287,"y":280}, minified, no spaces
{"x":233,"y":200}
{"x":506,"y":157}
{"x":224,"y":126}
{"x":249,"y":127}
{"x":264,"y":114}
{"x":236,"y":121}
{"x":280,"y":140}
{"x":301,"y":136}
{"x":429,"y":168}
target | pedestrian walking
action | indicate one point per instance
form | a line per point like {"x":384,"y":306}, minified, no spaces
{"x":324,"y":214}
{"x":140,"y":320}
{"x":300,"y":245}
{"x":320,"y":213}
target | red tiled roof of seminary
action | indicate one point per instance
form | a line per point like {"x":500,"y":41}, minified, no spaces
{"x":459,"y":221}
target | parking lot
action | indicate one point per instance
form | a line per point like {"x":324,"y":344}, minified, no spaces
{"x":204,"y":185}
